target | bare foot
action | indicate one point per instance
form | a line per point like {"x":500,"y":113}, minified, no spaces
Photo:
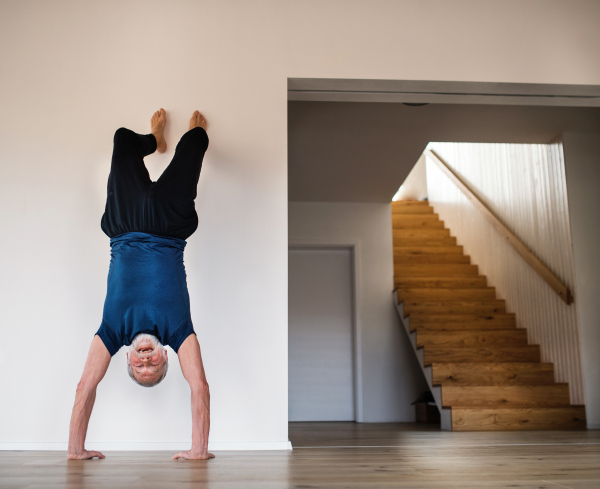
{"x":198,"y":120}
{"x":157,"y":124}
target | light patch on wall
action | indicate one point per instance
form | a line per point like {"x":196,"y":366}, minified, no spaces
{"x":397,"y":194}
{"x":415,"y":185}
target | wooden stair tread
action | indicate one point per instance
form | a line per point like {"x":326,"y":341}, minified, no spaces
{"x":454,"y":307}
{"x":514,"y":418}
{"x":481,"y":354}
{"x":434,"y":328}
{"x":427,"y":250}
{"x":424,"y":241}
{"x":484,"y":348}
{"x":551,"y":395}
{"x":416,"y":218}
{"x":436,"y":270}
{"x":447,"y":294}
{"x":497,"y":373}
{"x":405,"y":233}
{"x":473,"y":338}
{"x":410,"y":203}
{"x":450,"y":327}
{"x":418,"y":207}
{"x":417,"y":221}
{"x":461,"y":321}
{"x":479,"y":281}
{"x":442,"y":258}
{"x":507,"y":406}
{"x":449,"y":318}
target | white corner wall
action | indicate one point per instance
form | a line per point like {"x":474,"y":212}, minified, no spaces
{"x":582,"y":162}
{"x":524,"y":186}
{"x":415,"y":185}
{"x":73,"y":72}
{"x":389,"y":373}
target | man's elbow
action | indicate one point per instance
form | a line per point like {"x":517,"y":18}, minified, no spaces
{"x":200,"y":387}
{"x":84,"y":388}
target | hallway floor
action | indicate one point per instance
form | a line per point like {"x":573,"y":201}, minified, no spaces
{"x":338,"y":455}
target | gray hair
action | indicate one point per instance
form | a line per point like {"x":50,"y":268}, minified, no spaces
{"x":156,"y":344}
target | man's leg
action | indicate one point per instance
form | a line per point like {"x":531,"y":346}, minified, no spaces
{"x":130,"y":148}
{"x":180,"y":179}
{"x":129,"y":179}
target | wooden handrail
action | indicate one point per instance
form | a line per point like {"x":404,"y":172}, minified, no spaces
{"x":542,"y":270}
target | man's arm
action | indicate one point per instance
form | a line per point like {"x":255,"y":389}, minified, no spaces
{"x":95,"y":367}
{"x":190,"y":360}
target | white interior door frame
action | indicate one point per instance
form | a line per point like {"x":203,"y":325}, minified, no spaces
{"x":354,"y":246}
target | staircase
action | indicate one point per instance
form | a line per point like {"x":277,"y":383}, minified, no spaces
{"x":480,"y":368}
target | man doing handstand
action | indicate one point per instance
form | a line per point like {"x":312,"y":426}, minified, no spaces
{"x":147,"y":303}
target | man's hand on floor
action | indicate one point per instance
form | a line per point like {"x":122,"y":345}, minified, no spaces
{"x":86,"y":454}
{"x":190,"y":455}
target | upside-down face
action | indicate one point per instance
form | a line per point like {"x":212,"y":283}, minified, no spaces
{"x":147,"y":358}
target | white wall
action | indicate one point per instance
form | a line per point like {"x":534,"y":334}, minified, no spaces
{"x":524,"y":186}
{"x":415,"y":185}
{"x":73,"y":72}
{"x":389,"y":373}
{"x":582,"y":161}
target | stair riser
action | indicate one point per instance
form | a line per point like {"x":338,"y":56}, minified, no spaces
{"x":492,"y":374}
{"x":530,"y":353}
{"x":412,"y":209}
{"x":429,"y":320}
{"x":410,"y":203}
{"x":473,"y":339}
{"x":440,"y":283}
{"x":506,"y":396}
{"x":415,"y":219}
{"x":407,"y":259}
{"x":429,"y":295}
{"x":437,"y":241}
{"x":402,"y":222}
{"x":434,"y":270}
{"x":454,"y":308}
{"x":407,"y":233}
{"x":436,"y":329}
{"x":427,"y":250}
{"x":569,"y":418}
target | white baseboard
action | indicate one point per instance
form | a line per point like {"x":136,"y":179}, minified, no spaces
{"x":593,"y":426}
{"x":143,"y":446}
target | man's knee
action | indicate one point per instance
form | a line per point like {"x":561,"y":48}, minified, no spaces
{"x":122,"y":134}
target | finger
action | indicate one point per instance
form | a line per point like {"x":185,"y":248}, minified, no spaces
{"x":178,"y":455}
{"x":210,"y":455}
{"x":96,"y":454}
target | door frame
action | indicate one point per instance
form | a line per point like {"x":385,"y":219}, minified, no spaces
{"x":442,"y":92}
{"x":354,"y":246}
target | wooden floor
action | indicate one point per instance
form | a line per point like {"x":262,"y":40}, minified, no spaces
{"x":338,"y":455}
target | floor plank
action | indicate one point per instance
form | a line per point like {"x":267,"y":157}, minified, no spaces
{"x":338,"y":455}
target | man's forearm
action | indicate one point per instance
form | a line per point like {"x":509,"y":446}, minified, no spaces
{"x":200,"y":419}
{"x":80,"y":417}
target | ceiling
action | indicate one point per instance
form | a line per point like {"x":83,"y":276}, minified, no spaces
{"x":363,"y":151}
